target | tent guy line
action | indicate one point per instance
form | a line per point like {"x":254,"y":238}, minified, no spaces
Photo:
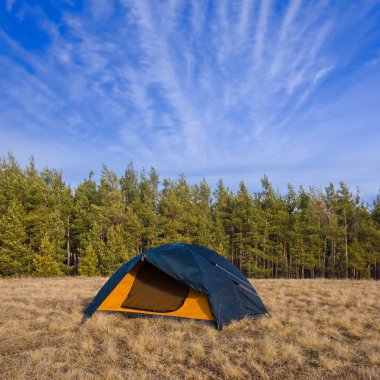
{"x":246,"y":283}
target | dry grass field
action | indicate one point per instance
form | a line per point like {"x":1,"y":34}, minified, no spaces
{"x":317,"y":330}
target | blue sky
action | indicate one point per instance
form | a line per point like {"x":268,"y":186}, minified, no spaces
{"x":230,"y":89}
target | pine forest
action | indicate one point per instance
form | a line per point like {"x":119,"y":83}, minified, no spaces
{"x":48,"y":228}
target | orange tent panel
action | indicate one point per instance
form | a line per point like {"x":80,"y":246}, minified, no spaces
{"x":195,"y":305}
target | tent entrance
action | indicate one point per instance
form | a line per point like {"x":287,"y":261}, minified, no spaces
{"x":155,"y":291}
{"x":145,"y":289}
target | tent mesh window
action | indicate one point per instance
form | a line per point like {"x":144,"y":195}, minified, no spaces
{"x":154,"y":290}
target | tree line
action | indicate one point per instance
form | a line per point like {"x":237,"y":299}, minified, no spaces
{"x":47,"y":228}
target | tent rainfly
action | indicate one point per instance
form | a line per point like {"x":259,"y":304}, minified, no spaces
{"x":181,"y":281}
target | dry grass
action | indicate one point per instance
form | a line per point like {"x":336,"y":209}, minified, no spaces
{"x":317,"y":330}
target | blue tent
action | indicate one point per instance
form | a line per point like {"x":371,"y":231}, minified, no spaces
{"x":180,"y":281}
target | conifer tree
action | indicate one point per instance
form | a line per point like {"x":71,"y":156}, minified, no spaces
{"x":145,"y":208}
{"x":345,"y":210}
{"x":43,"y":263}
{"x":111,"y":199}
{"x":177,"y":220}
{"x":243,"y":227}
{"x":376,"y":209}
{"x":97,"y":238}
{"x":129,"y":184}
{"x":12,"y":182}
{"x":117,"y":251}
{"x":222,"y":218}
{"x":202,"y":199}
{"x":15,"y":255}
{"x":85,"y":203}
{"x":88,"y":262}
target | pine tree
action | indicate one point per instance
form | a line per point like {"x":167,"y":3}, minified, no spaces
{"x":117,"y":252}
{"x":133,"y":229}
{"x":243,"y":227}
{"x":376,"y":209}
{"x":15,"y":255}
{"x":292,"y":201}
{"x":129,"y":184}
{"x":345,"y":211}
{"x":43,"y":263}
{"x":88,"y":262}
{"x":86,"y":195}
{"x":85,"y":204}
{"x":111,"y":199}
{"x":48,"y":203}
{"x":177,"y":219}
{"x":222,"y":219}
{"x":333,"y":230}
{"x":145,"y":208}
{"x":36,"y":204}
{"x":273,"y":221}
{"x":368,"y":237}
{"x":12,"y":182}
{"x":97,"y":239}
{"x":202,"y":202}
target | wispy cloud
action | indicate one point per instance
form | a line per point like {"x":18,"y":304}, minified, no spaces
{"x":286,"y":29}
{"x":208,"y":88}
{"x":261,"y":31}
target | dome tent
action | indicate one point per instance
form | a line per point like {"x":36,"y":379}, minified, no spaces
{"x":179,"y":281}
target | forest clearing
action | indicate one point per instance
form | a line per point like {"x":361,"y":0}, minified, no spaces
{"x":316,"y":329}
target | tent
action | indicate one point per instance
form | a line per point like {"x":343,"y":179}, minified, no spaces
{"x":179,"y":281}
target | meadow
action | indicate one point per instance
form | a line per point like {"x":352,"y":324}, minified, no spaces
{"x":317,"y":329}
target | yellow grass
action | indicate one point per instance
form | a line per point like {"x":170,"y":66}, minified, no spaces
{"x":317,"y":330}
